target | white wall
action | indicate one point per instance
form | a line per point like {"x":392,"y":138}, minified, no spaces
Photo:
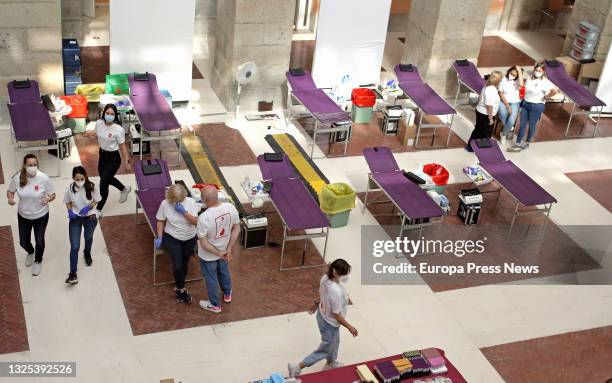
{"x":154,"y":36}
{"x":604,"y":86}
{"x":350,"y":40}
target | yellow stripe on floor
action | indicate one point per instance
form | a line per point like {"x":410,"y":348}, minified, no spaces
{"x":200,"y":159}
{"x":302,"y":165}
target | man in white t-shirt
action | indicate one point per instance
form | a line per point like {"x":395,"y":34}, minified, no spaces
{"x":218,"y":228}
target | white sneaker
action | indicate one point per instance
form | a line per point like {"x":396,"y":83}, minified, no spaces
{"x":37,"y":269}
{"x":124,"y":194}
{"x":29,"y":260}
{"x":206,"y":305}
{"x":334,"y":364}
{"x":294,"y":370}
{"x":503,"y":140}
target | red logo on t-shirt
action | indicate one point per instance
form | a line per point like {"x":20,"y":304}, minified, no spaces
{"x":36,"y":187}
{"x":110,"y":135}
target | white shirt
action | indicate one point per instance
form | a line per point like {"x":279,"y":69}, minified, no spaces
{"x":215,"y":224}
{"x":489,"y":96}
{"x":536,"y":89}
{"x":176,"y":223}
{"x":510,"y":89}
{"x":79,"y":200}
{"x":109,"y":137}
{"x":30,"y":204}
{"x":334,"y":300}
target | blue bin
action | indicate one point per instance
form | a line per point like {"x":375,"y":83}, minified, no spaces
{"x":71,"y":52}
{"x":70,"y":87}
{"x":72,"y":70}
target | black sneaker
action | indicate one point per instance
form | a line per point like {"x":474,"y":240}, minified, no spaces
{"x":88,"y":260}
{"x":182,"y":296}
{"x":72,"y":279}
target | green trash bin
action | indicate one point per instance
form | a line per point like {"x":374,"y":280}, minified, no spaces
{"x":117,"y":83}
{"x":336,"y":202}
{"x":361,"y":115}
{"x":77,"y":125}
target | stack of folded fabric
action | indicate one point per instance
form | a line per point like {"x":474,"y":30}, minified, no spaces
{"x":403,"y":365}
{"x":365,"y":375}
{"x":435,"y":360}
{"x":420,"y":367}
{"x":411,"y":354}
{"x":387,"y":372}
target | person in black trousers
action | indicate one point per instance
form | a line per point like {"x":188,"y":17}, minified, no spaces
{"x":111,"y":138}
{"x":488,"y":105}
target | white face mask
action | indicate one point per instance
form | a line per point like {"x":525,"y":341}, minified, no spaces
{"x":32,"y":170}
{"x":512,"y":77}
{"x":538,"y":74}
{"x":79,"y":183}
{"x":344,"y":278}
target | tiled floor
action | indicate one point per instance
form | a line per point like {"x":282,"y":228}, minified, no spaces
{"x":13,"y":334}
{"x":226,"y":145}
{"x":582,"y":356}
{"x":88,"y":150}
{"x":556,"y":254}
{"x":259,"y":288}
{"x":95,"y":62}
{"x":597,"y":183}
{"x":368,"y":135}
{"x":497,"y":52}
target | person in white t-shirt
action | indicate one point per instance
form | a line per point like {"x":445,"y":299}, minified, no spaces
{"x":111,"y":139}
{"x":35,"y":192}
{"x":537,"y":89}
{"x":176,"y":219}
{"x":331,"y":309}
{"x":81,"y":198}
{"x":218,"y":228}
{"x":509,"y":88}
{"x":488,"y":104}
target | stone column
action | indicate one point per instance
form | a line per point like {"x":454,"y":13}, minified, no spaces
{"x":72,"y":19}
{"x":258,"y":31}
{"x":597,"y":12}
{"x":31,"y":44}
{"x":440,"y":32}
{"x":522,"y":14}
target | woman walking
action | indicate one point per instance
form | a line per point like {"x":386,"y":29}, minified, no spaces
{"x":111,"y":138}
{"x":81,"y":198}
{"x":35,"y":192}
{"x":331,"y":308}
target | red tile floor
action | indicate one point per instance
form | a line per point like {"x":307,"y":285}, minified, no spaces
{"x":13,"y":332}
{"x":597,"y":184}
{"x":260,"y":289}
{"x":497,"y":52}
{"x":581,"y":356}
{"x":559,"y":255}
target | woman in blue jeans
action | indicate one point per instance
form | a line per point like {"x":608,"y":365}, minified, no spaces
{"x":81,"y":198}
{"x":537,"y":89}
{"x":331,"y":308}
{"x":510,"y":100}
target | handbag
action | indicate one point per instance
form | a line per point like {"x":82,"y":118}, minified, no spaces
{"x":149,"y":168}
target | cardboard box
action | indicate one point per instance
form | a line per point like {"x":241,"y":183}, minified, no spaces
{"x":167,"y":380}
{"x":572,"y":67}
{"x":590,"y":71}
{"x":406,"y":133}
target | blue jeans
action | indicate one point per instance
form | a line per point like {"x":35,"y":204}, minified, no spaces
{"x":508,"y":119}
{"x":529,"y":113}
{"x":88,"y":224}
{"x":216,"y":273}
{"x":330,"y":343}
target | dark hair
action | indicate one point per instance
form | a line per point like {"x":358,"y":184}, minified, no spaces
{"x":114,"y":108}
{"x":514,"y":67}
{"x":89,"y":186}
{"x":340,"y":266}
{"x":23,"y":174}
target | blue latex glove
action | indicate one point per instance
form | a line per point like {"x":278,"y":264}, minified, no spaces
{"x":85,"y":210}
{"x":158,"y":242}
{"x":72,"y":214}
{"x":180,"y":208}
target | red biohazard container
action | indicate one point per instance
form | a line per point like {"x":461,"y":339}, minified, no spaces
{"x":78,"y":103}
{"x":438,"y":173}
{"x":363,"y":97}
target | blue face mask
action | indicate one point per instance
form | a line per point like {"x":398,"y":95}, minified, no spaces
{"x":109,"y":117}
